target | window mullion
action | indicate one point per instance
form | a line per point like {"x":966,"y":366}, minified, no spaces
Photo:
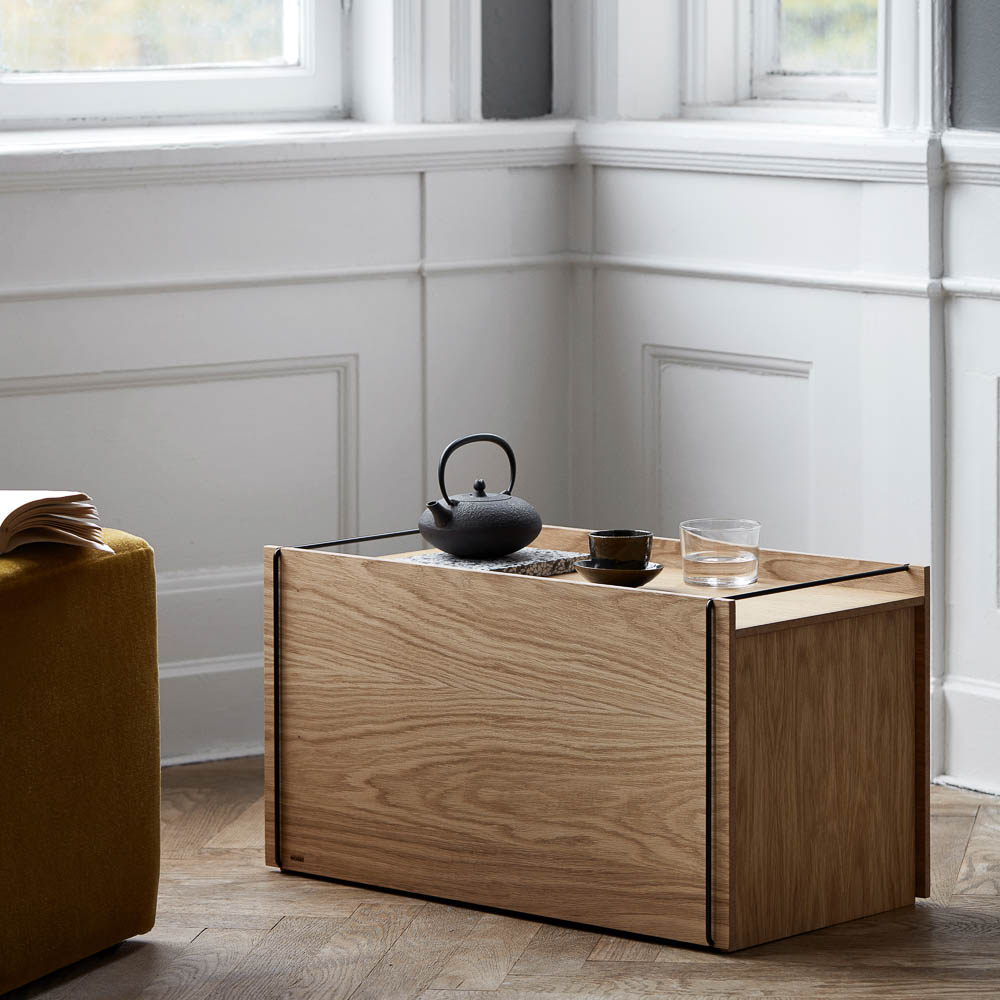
{"x":766,"y":46}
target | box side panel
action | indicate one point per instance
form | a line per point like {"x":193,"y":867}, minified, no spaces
{"x":724,"y":635}
{"x":269,"y":851}
{"x":822,"y":752}
{"x":922,"y":742}
{"x":496,"y":740}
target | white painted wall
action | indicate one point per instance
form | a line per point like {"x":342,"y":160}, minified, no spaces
{"x":760,"y":335}
{"x":227,"y":357}
{"x":272,"y":345}
{"x":971,"y":687}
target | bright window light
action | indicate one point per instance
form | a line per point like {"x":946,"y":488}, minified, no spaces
{"x":827,"y":36}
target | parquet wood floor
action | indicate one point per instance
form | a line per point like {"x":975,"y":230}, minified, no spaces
{"x":230,"y":928}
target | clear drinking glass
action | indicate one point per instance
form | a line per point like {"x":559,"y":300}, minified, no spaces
{"x":720,"y":551}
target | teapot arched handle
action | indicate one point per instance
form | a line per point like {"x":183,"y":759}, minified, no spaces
{"x":457,"y":443}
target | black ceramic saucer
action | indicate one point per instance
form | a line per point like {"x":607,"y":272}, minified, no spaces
{"x":617,"y":577}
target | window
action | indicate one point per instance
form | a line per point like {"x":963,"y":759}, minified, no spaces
{"x":99,"y":59}
{"x":815,"y":49}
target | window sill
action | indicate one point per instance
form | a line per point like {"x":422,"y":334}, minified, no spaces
{"x":855,"y":115}
{"x":116,"y":156}
{"x":122,"y":156}
{"x":772,"y":149}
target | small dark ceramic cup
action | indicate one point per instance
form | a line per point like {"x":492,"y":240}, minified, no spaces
{"x":620,"y":548}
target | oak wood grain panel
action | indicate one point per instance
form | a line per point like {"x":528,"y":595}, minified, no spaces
{"x":772,"y":611}
{"x":776,"y":567}
{"x":941,"y":948}
{"x":922,"y":742}
{"x":270,"y":856}
{"x":810,"y":607}
{"x":822,"y":738}
{"x":724,"y":633}
{"x":788,"y":609}
{"x":464,"y":736}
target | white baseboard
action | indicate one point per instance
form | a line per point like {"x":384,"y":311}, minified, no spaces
{"x":212,"y":708}
{"x":937,"y":728}
{"x":972,"y":727}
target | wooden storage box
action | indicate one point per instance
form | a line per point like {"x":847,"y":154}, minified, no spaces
{"x":539,"y":745}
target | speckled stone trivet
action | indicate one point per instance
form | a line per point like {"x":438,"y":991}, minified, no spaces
{"x":526,"y":562}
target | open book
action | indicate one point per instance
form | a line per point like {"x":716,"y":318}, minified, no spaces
{"x":49,"y":516}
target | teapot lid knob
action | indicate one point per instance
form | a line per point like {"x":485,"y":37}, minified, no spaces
{"x":480,"y":487}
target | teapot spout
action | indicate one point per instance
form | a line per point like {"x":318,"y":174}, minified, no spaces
{"x":440,"y":512}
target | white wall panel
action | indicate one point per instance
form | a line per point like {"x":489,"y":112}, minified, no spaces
{"x":971,"y":687}
{"x":213,"y":423}
{"x":713,"y":449}
{"x":893,"y":237}
{"x":814,"y":396}
{"x":205,"y":360}
{"x":974,"y":547}
{"x":721,"y":217}
{"x":206,"y":465}
{"x":204,"y":230}
{"x":851,"y":352}
{"x":972,"y":235}
{"x":481,"y":214}
{"x":497,"y":356}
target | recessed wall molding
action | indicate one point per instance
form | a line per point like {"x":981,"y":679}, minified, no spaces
{"x":656,"y":356}
{"x":971,"y":288}
{"x":655,"y":359}
{"x":174,"y":375}
{"x":190,"y":283}
{"x":799,"y":277}
{"x":845,"y":281}
{"x":343,"y":367}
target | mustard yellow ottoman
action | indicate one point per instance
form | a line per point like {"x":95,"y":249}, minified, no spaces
{"x":79,"y":753}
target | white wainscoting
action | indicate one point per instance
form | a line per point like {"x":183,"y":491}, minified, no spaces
{"x":248,"y":344}
{"x":971,"y":688}
{"x":278,"y":359}
{"x":708,"y":443}
{"x":760,"y":345}
{"x":840,"y":435}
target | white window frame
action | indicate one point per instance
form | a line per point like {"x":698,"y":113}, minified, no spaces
{"x":684,"y":62}
{"x":769,"y":83}
{"x":729,"y":54}
{"x":311,"y":89}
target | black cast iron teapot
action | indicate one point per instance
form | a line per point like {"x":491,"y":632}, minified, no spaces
{"x":479,"y":525}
